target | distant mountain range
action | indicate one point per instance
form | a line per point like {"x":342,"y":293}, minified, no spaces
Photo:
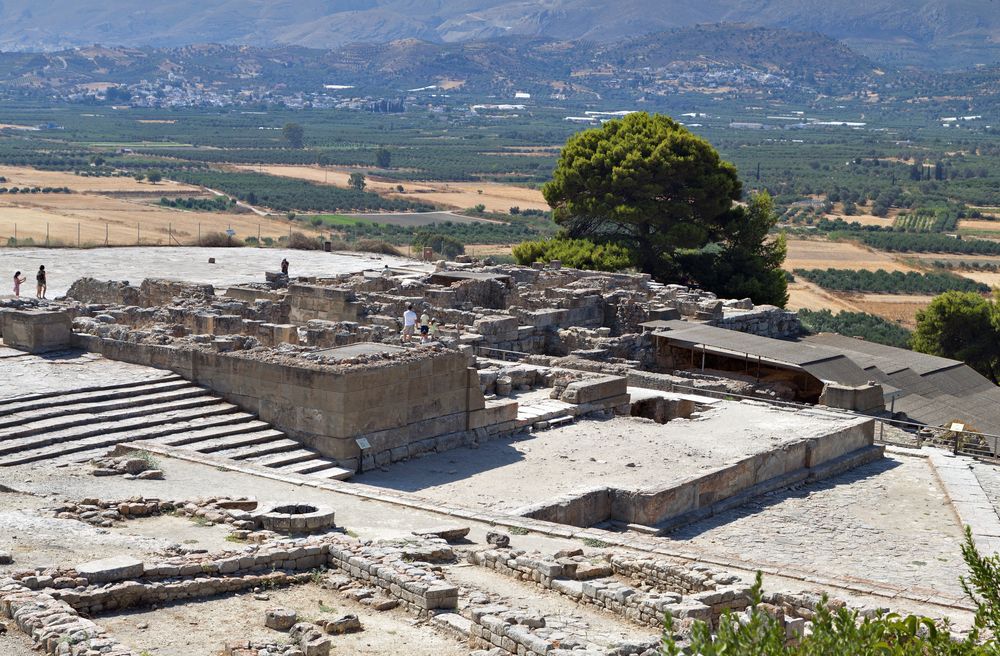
{"x":695,"y":58}
{"x":937,"y":33}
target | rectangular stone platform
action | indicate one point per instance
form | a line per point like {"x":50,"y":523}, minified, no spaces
{"x":36,"y":331}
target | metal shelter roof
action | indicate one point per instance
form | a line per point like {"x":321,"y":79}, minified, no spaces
{"x":928,"y":389}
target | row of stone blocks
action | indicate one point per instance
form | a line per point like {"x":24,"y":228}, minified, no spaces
{"x":54,"y":625}
{"x":123,"y":582}
{"x":572,"y":576}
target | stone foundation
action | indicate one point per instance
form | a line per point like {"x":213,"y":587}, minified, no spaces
{"x":36,"y":331}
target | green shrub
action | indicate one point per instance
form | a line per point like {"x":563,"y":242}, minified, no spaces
{"x":575,"y":253}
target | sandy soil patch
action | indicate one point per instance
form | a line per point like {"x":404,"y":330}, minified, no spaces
{"x":27,"y":177}
{"x":823,"y":254}
{"x":979,"y":224}
{"x":986,"y":277}
{"x":483,"y":250}
{"x":901,"y":308}
{"x":202,"y":628}
{"x":808,"y":296}
{"x":496,"y":197}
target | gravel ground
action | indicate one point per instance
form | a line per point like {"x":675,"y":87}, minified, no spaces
{"x":202,"y":628}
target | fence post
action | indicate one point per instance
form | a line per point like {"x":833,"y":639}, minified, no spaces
{"x":138,"y":239}
{"x":46,"y":235}
{"x":78,"y":234}
{"x":106,"y":233}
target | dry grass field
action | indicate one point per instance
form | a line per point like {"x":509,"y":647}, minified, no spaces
{"x":28,"y":177}
{"x":116,"y":211}
{"x":980,"y":225}
{"x":819,"y":254}
{"x":458,"y":195}
{"x":822,"y":254}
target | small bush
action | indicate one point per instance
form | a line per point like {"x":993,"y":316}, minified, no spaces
{"x":218,"y":239}
{"x":302,"y":242}
{"x":376,"y":246}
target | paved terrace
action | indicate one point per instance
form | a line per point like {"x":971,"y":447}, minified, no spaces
{"x":232,"y":265}
{"x":627,"y":453}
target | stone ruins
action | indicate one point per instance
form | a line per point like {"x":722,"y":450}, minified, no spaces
{"x":275,"y":468}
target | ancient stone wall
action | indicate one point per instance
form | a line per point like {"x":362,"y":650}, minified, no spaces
{"x":391,"y":403}
{"x":764,"y":320}
{"x":317,"y":302}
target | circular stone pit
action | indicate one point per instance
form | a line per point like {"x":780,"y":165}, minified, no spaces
{"x":295,"y":518}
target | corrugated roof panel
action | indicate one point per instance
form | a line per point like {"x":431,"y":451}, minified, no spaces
{"x":838,"y":370}
{"x":796,"y":353}
{"x":959,"y":380}
{"x":919,"y":362}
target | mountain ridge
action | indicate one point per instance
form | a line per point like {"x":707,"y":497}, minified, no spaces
{"x":937,"y":33}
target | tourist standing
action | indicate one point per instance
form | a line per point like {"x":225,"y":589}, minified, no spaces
{"x":409,"y":323}
{"x":284,"y":267}
{"x":18,"y":279}
{"x":435,"y":330}
{"x":42,"y":282}
{"x":425,"y":326}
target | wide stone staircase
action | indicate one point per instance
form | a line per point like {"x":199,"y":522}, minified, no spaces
{"x":80,"y":424}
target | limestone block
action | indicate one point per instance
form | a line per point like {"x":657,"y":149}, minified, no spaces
{"x":280,"y":619}
{"x":588,"y":391}
{"x":36,"y":331}
{"x":108,"y":570}
{"x":449,"y":533}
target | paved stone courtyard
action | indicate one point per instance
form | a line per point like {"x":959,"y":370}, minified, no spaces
{"x":887,"y":521}
{"x":232,"y":265}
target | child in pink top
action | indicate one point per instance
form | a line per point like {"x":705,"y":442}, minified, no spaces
{"x":18,"y":279}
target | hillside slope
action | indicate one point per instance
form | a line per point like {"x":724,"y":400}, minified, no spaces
{"x":925,"y":32}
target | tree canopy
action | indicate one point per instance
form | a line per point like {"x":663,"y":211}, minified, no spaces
{"x":964,"y":326}
{"x":293,"y":134}
{"x":744,"y":263}
{"x":647,"y":183}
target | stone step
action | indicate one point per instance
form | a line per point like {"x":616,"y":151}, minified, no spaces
{"x":96,"y":389}
{"x":230,"y":437}
{"x":244,"y":433}
{"x":128,"y":430}
{"x":256,"y":450}
{"x":333,"y":473}
{"x":314,"y":464}
{"x":21,"y":406}
{"x":185,"y":391}
{"x":281,"y":458}
{"x":44,"y":426}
